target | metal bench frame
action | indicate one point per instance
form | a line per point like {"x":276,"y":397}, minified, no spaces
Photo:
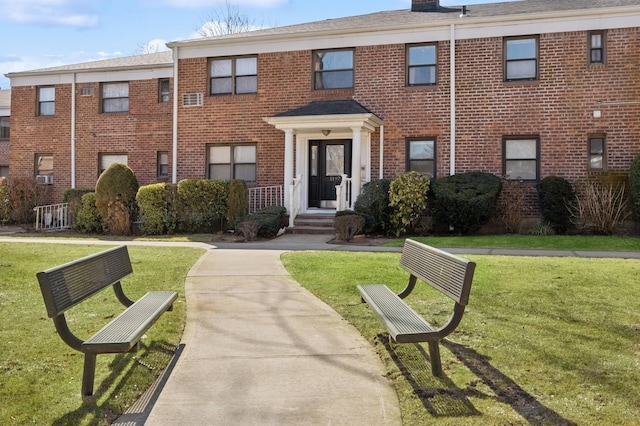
{"x":68,"y":285}
{"x":450,"y":274}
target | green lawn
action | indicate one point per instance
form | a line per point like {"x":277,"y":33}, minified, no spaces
{"x":544,"y":340}
{"x":41,"y":375}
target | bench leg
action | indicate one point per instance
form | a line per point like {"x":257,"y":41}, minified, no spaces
{"x":88,"y":374}
{"x":434,"y":354}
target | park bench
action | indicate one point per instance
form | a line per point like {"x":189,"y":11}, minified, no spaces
{"x":449,"y":274}
{"x":68,"y":285}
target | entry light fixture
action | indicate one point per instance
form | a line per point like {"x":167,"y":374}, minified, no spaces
{"x":326,"y":132}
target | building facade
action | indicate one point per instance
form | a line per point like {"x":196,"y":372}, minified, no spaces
{"x":5,"y":131}
{"x":523,"y":89}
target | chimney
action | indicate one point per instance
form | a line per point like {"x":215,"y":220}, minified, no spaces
{"x":424,"y":5}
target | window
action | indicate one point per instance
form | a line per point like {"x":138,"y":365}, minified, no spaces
{"x":421,"y":156}
{"x":115,"y":97}
{"x":521,"y":59}
{"x":421,"y":65}
{"x":163,"y":164}
{"x":596,"y":47}
{"x":333,"y":69}
{"x":4,"y":171}
{"x":234,"y":76}
{"x":521,"y":158}
{"x":105,"y":160}
{"x":163,"y":90}
{"x":43,"y":164}
{"x":4,"y":128}
{"x":46,"y":100}
{"x":232,"y":162}
{"x":597,"y":159}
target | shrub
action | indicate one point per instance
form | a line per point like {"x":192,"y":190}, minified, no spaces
{"x":408,"y":200}
{"x":249,"y":229}
{"x":203,"y":204}
{"x":512,"y":204}
{"x":88,"y":218}
{"x":348,"y":225}
{"x":158,"y":208}
{"x":542,"y":229}
{"x":271,"y":219}
{"x":599,"y":208}
{"x":634,"y":186}
{"x":116,"y":191}
{"x":465,"y":202}
{"x":23,"y":194}
{"x":373,"y":205}
{"x":73,"y":196}
{"x":237,"y":201}
{"x":555,"y":196}
{"x":4,"y":201}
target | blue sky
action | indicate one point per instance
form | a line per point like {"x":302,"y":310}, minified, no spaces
{"x":44,"y":33}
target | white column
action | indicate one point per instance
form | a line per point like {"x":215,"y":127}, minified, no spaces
{"x":356,"y":174}
{"x":288,"y":166}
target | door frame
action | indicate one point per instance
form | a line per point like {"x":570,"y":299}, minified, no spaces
{"x":317,"y":185}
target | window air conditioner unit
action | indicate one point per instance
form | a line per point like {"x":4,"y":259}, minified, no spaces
{"x":45,"y":179}
{"x":192,"y":99}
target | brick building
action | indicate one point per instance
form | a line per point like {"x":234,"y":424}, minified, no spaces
{"x":525,"y":89}
{"x":5,"y":118}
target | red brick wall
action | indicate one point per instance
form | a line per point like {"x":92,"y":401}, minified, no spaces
{"x":140,"y":133}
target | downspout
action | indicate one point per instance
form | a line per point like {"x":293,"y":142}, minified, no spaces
{"x":452,"y":90}
{"x":174,"y":165}
{"x":380,"y":172}
{"x":73,"y":131}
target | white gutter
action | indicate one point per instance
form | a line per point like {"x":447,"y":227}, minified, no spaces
{"x":380,"y":172}
{"x":174,"y":165}
{"x":73,"y":132}
{"x":452,"y":90}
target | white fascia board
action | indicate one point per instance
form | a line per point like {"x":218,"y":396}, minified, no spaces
{"x":368,"y":122}
{"x":92,"y":76}
{"x":466,"y":28}
{"x":5,"y":112}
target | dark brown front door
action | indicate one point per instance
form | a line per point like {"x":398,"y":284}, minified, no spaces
{"x":328,"y":161}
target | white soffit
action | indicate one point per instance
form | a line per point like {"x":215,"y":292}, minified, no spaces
{"x":66,"y":77}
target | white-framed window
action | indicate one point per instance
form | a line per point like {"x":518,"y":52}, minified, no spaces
{"x":521,"y":58}
{"x":107,"y":159}
{"x":226,"y":162}
{"x":333,"y":69}
{"x":422,"y":64}
{"x":421,"y":156}
{"x":115,"y":97}
{"x":521,"y":158}
{"x":46,"y":100}
{"x":233,"y":76}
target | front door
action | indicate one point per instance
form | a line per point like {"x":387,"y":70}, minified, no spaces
{"x":328,"y":161}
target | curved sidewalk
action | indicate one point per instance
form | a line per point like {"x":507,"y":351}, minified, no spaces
{"x":258,"y":349}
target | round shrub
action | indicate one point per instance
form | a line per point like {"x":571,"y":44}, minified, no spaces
{"x":269,"y":221}
{"x":634,"y":184}
{"x":408,"y":199}
{"x":73,"y":196}
{"x":465,"y":202}
{"x":555,"y":197}
{"x":88,"y":218}
{"x":116,"y":191}
{"x":373,"y":205}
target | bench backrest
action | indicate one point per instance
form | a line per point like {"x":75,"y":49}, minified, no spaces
{"x":67,"y":285}
{"x":450,"y":274}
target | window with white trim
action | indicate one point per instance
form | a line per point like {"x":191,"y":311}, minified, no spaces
{"x":226,"y":162}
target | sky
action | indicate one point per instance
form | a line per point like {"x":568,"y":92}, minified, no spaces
{"x":38,"y":34}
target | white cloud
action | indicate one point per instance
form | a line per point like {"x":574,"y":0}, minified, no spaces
{"x":68,"y":13}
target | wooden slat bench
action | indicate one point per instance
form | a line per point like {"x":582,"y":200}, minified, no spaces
{"x":449,"y":274}
{"x":65,"y":286}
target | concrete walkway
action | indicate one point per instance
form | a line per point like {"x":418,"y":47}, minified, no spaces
{"x":258,"y":349}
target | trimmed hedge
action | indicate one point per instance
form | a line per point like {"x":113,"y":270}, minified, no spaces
{"x":88,"y":219}
{"x":158,"y":205}
{"x":408,"y":200}
{"x":555,"y":196}
{"x":373,"y":205}
{"x":203,"y":204}
{"x":271,"y":219}
{"x":116,"y":191}
{"x":465,"y":201}
{"x":634,"y":184}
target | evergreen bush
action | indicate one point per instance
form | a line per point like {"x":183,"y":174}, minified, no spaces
{"x":270,"y":219}
{"x":465,"y":202}
{"x":158,"y":208}
{"x":203,"y":204}
{"x":116,"y":191}
{"x":556,"y":196}
{"x":73,"y":197}
{"x":4,"y":201}
{"x":408,"y":200}
{"x":348,"y":224}
{"x":373,"y":205}
{"x":88,"y":218}
{"x":634,"y":186}
{"x":237,"y":202}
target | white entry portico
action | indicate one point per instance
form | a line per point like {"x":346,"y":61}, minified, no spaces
{"x":324,"y":123}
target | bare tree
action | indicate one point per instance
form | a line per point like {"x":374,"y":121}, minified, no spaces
{"x":228,"y":19}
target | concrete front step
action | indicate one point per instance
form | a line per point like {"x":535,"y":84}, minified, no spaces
{"x":313,"y":224}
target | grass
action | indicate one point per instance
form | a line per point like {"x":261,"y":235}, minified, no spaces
{"x":543,"y":341}
{"x":551,"y":242}
{"x":41,"y":376}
